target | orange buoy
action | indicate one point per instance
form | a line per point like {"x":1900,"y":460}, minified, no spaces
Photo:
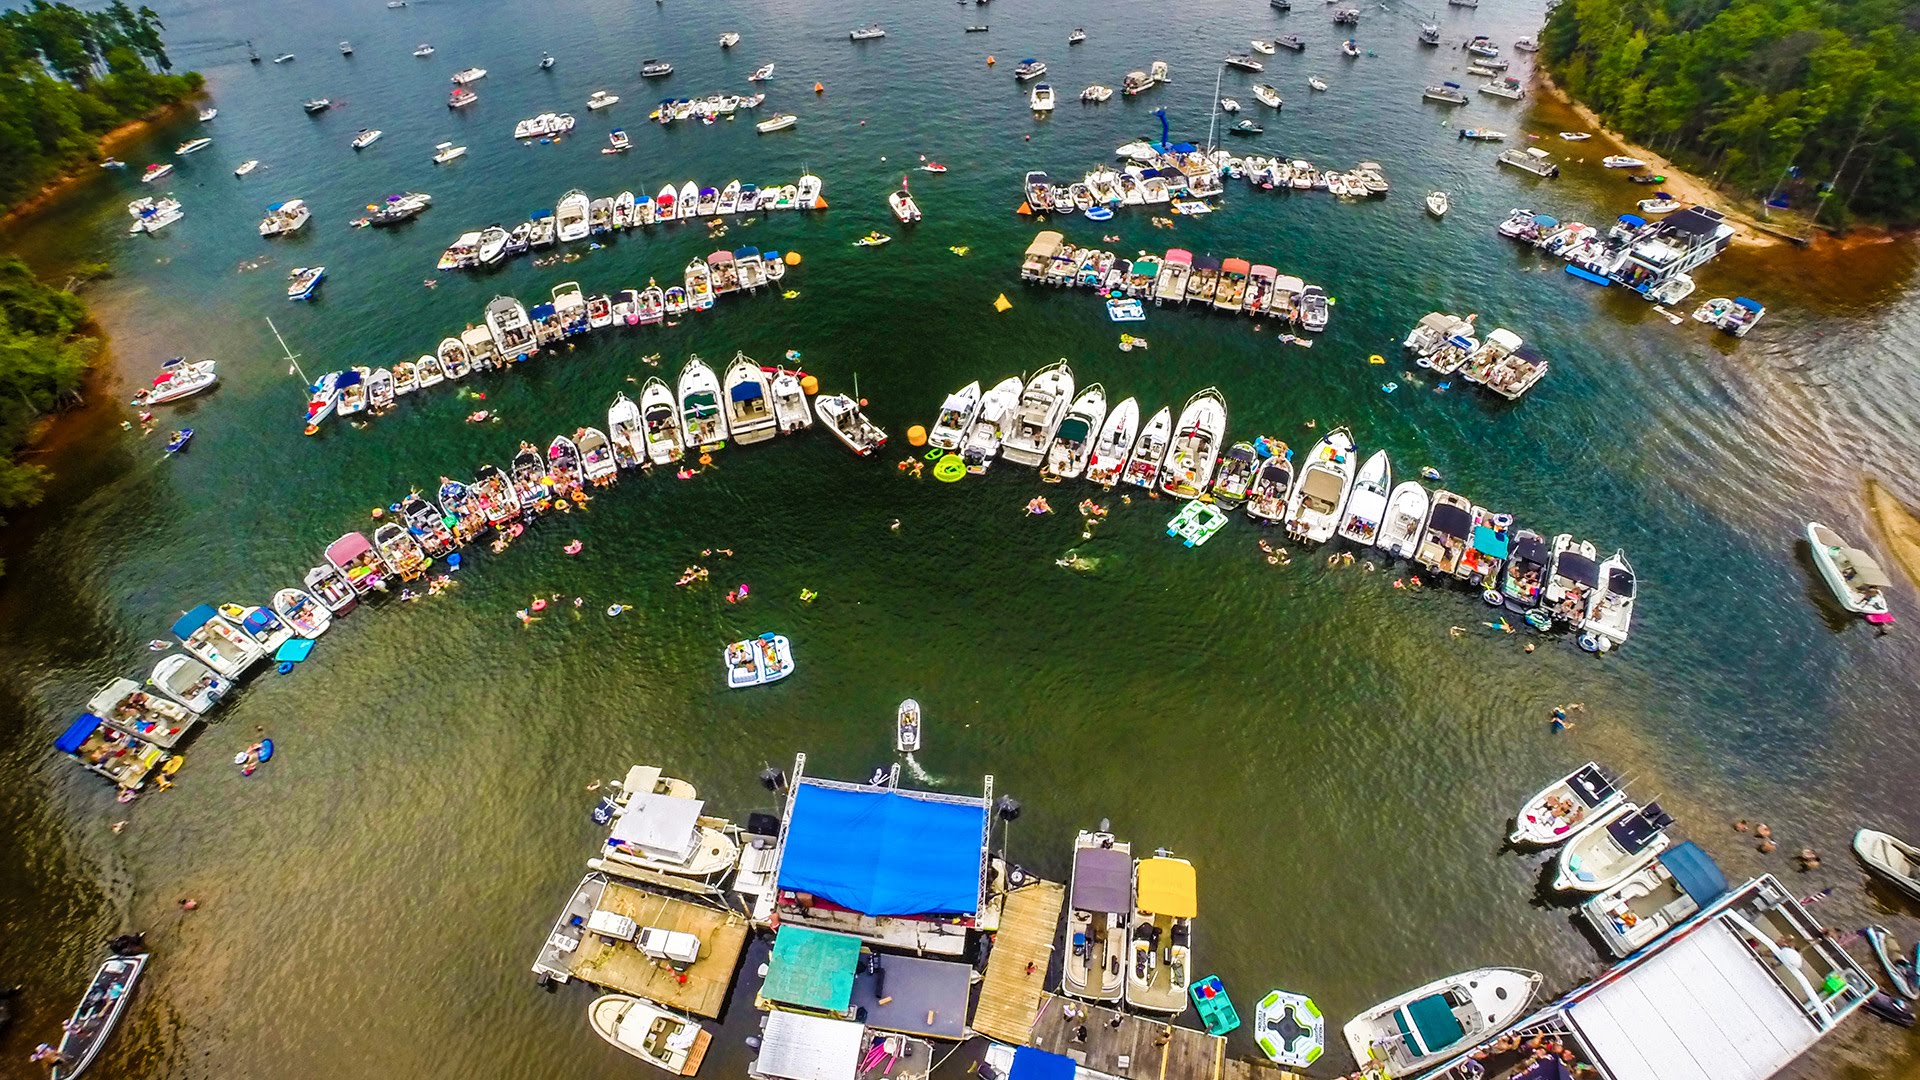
{"x":792,"y":258}
{"x":819,"y":203}
{"x":378,"y":513}
{"x":810,"y":385}
{"x":989,"y":60}
{"x":819,"y":88}
{"x":1024,"y":209}
{"x":917,"y":435}
{"x":313,"y":429}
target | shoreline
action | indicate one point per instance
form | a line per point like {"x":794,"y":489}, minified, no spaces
{"x":51,"y":191}
{"x":1899,"y":527}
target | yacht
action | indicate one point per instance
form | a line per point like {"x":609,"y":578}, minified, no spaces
{"x":1423,"y":1027}
{"x":867,"y":32}
{"x":1160,"y":937}
{"x":1194,"y":447}
{"x":1041,"y":406}
{"x":1029,"y":69}
{"x":1100,"y":900}
{"x":990,"y":424}
{"x":1326,"y":481}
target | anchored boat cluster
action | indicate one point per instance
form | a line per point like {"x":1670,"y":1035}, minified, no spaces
{"x":1502,"y":363}
{"x":512,"y":334}
{"x":1231,"y":285}
{"x":1653,"y":258}
{"x":1331,"y":492}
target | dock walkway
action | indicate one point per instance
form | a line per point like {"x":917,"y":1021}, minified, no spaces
{"x":1010,"y":996}
{"x":619,"y":966}
{"x":1128,"y":1044}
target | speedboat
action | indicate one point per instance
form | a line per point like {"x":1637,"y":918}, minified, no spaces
{"x":300,"y":610}
{"x":1857,"y":581}
{"x":178,"y":379}
{"x":1610,"y":614}
{"x":600,"y":99}
{"x":1622,"y":161}
{"x":314,"y":106}
{"x":190,"y":682}
{"x":623,"y":425}
{"x":749,"y":396}
{"x":423,"y":50}
{"x":1563,"y":808}
{"x":1246,"y":128}
{"x":1314,"y":308}
{"x":1160,"y":934}
{"x":761,"y":73}
{"x":547,"y":61}
{"x":1405,"y":517}
{"x":219,"y":644}
{"x":353,"y":555}
{"x":990,"y":424}
{"x":570,"y":216}
{"x":283,"y":58}
{"x":469,"y":75}
{"x":956,"y":415}
{"x":446,"y":151}
{"x":1264,"y":48}
{"x":192,"y":146}
{"x":461,"y":97}
{"x":1367,"y":505}
{"x":1448,"y":532}
{"x":1437,"y":203}
{"x":1042,"y":405}
{"x":1110,"y":448}
{"x":511,"y":329}
{"x":1072,"y":442}
{"x":777,"y":122}
{"x":1326,"y":480}
{"x":1890,"y":857}
{"x":1029,"y":69}
{"x":1234,"y":478}
{"x":1041,"y":98}
{"x":328,"y":585}
{"x":246,"y":167}
{"x":1317,"y":83}
{"x":1525,"y":576}
{"x":401,"y":550}
{"x":867,"y":33}
{"x":842,"y":416}
{"x":304,"y":281}
{"x":155,"y":171}
{"x":1613,"y":847}
{"x":1423,"y":1027}
{"x":1576,"y":136}
{"x":1447,"y":93}
{"x":1675,"y":886}
{"x":1267,"y":95}
{"x":1149,"y":450}
{"x":902,"y":204}
{"x":366,"y":137}
{"x":1076,"y":36}
{"x":660,"y":433}
{"x":161,"y":721}
{"x":1350,"y":48}
{"x":729,"y":39}
{"x":757,"y":661}
{"x":1572,"y":576}
{"x":701,"y":417}
{"x":99,"y":1011}
{"x":1267,"y":493}
{"x":791,"y":413}
{"x":1244,"y":62}
{"x":1100,"y":903}
{"x":655,"y":69}
{"x":663,"y":1039}
{"x":906,"y":727}
{"x":1194,"y":446}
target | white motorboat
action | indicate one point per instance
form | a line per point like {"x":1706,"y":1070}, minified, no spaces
{"x":841,"y":415}
{"x":150,"y":215}
{"x":749,"y":395}
{"x":1149,"y":450}
{"x":570,"y":216}
{"x":956,"y":416}
{"x":624,"y":436}
{"x":729,"y":39}
{"x":100,"y":1008}
{"x":285,"y":218}
{"x":423,"y":50}
{"x":1447,"y":533}
{"x":701,"y":417}
{"x":1447,"y":93}
{"x":1268,"y":96}
{"x":216,"y":642}
{"x":1405,"y":517}
{"x":1612,"y":847}
{"x":777,"y":122}
{"x":1610,"y":613}
{"x":1072,"y":444}
{"x":906,"y":727}
{"x":1892,"y":858}
{"x":1326,"y":480}
{"x":600,"y":99}
{"x":446,"y":151}
{"x":1194,"y":446}
{"x":1576,"y":136}
{"x":867,"y":33}
{"x":156,"y":171}
{"x":246,"y":167}
{"x":328,"y":585}
{"x":469,"y":75}
{"x":190,"y":682}
{"x":1565,"y":807}
{"x":366,"y":137}
{"x":1423,"y":1027}
{"x":900,"y":201}
{"x":1857,"y":581}
{"x":1367,"y":504}
{"x":1573,"y":575}
{"x":806,"y":194}
{"x":1160,"y":965}
{"x":663,"y":441}
{"x":1029,"y":69}
{"x":791,"y":413}
{"x":1096,"y":93}
{"x":1317,"y":83}
{"x":665,"y":1040}
{"x":1244,"y":62}
{"x":1672,"y":888}
{"x":667,"y":834}
{"x":761,"y":73}
{"x":1043,"y":404}
{"x":123,"y":706}
{"x":1438,"y":203}
{"x":1267,"y":493}
{"x":303,"y":612}
{"x":259,"y":624}
{"x":1100,"y":900}
{"x":510,"y":328}
{"x":990,"y":425}
{"x":1622,"y":161}
{"x":1263,"y":47}
{"x":1111,"y":446}
{"x":1041,"y":98}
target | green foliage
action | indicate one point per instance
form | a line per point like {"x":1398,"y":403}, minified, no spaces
{"x":43,"y":357}
{"x":1746,"y":89}
{"x":68,"y":76}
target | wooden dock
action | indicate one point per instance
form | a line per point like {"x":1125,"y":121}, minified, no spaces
{"x":1250,"y":1069}
{"x":1128,"y":1044}
{"x":1011,"y":992}
{"x":619,"y":966}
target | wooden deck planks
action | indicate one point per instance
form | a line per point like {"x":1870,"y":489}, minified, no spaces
{"x":1009,"y":996}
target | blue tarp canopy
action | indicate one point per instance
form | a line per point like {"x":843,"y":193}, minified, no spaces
{"x":1184,"y":148}
{"x":197,"y":618}
{"x":1750,"y":305}
{"x":346,"y":378}
{"x":259,"y":621}
{"x":1634,"y":220}
{"x":1695,"y":872}
{"x":1488,"y":542}
{"x":1544,"y":221}
{"x":745,"y":391}
{"x":76,"y":736}
{"x":540,"y":311}
{"x":883,"y":853}
{"x":746,"y":253}
{"x":1033,"y":1063}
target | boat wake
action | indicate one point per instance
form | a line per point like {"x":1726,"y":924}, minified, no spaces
{"x":914,"y":770}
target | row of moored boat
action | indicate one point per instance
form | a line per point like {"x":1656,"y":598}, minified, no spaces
{"x":1231,"y":285}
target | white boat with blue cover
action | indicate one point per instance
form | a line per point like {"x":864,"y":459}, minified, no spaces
{"x":1671,"y":890}
{"x":757,"y":661}
{"x":1423,"y":1027}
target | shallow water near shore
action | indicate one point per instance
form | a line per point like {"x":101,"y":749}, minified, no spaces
{"x":1338,"y":766}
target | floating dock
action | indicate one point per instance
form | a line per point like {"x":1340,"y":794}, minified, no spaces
{"x":1127,"y":1044}
{"x":619,"y":966}
{"x":1009,"y":996}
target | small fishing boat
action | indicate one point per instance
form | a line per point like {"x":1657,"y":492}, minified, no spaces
{"x":949,"y":429}
{"x":190,"y":682}
{"x":246,"y":167}
{"x":1108,"y":456}
{"x":663,"y":1039}
{"x":328,"y":585}
{"x":1891,"y":858}
{"x":300,"y":610}
{"x":423,"y":50}
{"x":1447,"y":93}
{"x":1326,"y":480}
{"x":902,"y":204}
{"x":1367,"y":504}
{"x":1246,"y":127}
{"x":1149,"y":450}
{"x":99,"y":1010}
{"x":304,"y":281}
{"x":1438,"y":203}
{"x":1566,"y":806}
{"x":842,"y":416}
{"x":906,"y":727}
{"x":655,"y":69}
{"x":1072,"y":443}
{"x":1857,"y":581}
{"x":1675,"y":886}
{"x":1576,"y":136}
{"x":1423,"y":1027}
{"x":757,"y":661}
{"x":1194,"y":445}
{"x":1613,"y":846}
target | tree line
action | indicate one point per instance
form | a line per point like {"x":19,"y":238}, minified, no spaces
{"x":1814,"y":102}
{"x":44,"y":354}
{"x":67,"y":77}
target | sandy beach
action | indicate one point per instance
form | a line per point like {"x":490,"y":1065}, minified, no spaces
{"x":1899,"y":527}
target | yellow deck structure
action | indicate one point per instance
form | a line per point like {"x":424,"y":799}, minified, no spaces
{"x":620,"y":966}
{"x":1009,"y":996}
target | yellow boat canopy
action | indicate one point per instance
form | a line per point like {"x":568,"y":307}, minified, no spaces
{"x":1166,"y":887}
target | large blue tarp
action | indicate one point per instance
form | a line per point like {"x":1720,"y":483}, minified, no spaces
{"x":1695,"y":871}
{"x":76,"y":735}
{"x":1033,"y":1063}
{"x":882,"y":853}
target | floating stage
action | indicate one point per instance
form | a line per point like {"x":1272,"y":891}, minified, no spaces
{"x":701,"y":988}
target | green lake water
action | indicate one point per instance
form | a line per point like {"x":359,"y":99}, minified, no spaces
{"x":1338,"y":766}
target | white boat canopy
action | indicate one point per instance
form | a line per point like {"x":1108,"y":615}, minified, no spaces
{"x":798,"y":1047}
{"x":662,"y":826}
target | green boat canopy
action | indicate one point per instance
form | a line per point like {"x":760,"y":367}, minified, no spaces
{"x":1434,"y":1024}
{"x":812,"y":969}
{"x":1073,"y":429}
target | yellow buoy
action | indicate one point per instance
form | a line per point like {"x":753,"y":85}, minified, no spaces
{"x":917,"y":435}
{"x":791,"y":258}
{"x":1003,"y":303}
{"x":1376,"y":358}
{"x":809,"y":384}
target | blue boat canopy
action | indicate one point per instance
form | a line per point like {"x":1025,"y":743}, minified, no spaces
{"x":1033,"y":1063}
{"x":1695,"y":872}
{"x":347,"y":378}
{"x":1184,"y":148}
{"x":1634,"y":220}
{"x":1750,"y":305}
{"x":1545,"y":221}
{"x":746,"y":391}
{"x":746,"y":253}
{"x":1455,"y":85}
{"x":77,"y":734}
{"x":197,"y":618}
{"x":275,"y":206}
{"x":1488,"y":542}
{"x":884,"y":853}
{"x":540,"y":311}
{"x":259,"y":621}
{"x":538,"y":214}
{"x":770,"y":255}
{"x":1433,"y":1018}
